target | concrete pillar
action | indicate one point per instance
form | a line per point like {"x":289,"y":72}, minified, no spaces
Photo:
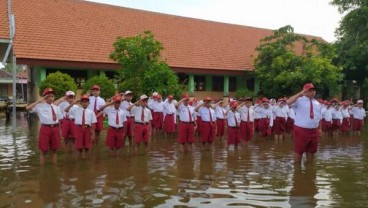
{"x":208,"y":82}
{"x":226,"y":86}
{"x":256,"y":86}
{"x":191,"y":84}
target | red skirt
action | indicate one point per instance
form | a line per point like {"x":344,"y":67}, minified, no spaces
{"x":345,"y":126}
{"x":289,"y":125}
{"x":335,"y":124}
{"x":233,"y":136}
{"x":326,"y":125}
{"x":246,"y":130}
{"x":158,"y":120}
{"x":264,"y":127}
{"x":279,"y":125}
{"x":169,"y":125}
{"x":220,"y":123}
{"x":357,"y":124}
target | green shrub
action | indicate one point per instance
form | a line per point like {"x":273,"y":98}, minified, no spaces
{"x":106,"y":85}
{"x":59,"y":82}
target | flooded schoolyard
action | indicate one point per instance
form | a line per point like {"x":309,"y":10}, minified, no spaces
{"x":259,"y":175}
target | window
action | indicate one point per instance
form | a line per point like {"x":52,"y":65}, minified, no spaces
{"x":217,"y":83}
{"x":200,"y":83}
{"x":183,"y":78}
{"x":232,"y":84}
{"x":250,"y":84}
{"x":80,"y":76}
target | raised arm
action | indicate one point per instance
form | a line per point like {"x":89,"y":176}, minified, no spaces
{"x":71,"y":105}
{"x":293,"y":98}
{"x":32,"y":105}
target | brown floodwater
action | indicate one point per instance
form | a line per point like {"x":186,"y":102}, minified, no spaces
{"x":259,"y":175}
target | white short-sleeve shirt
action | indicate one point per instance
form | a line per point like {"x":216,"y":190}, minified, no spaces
{"x":302,"y":113}
{"x":358,"y":113}
{"x":99,"y":102}
{"x":243,"y":111}
{"x":137,"y":112}
{"x":233,"y":118}
{"x":111,"y":113}
{"x":89,"y":116}
{"x":206,"y":114}
{"x":63,"y":105}
{"x":44,"y":113}
{"x":185,"y":111}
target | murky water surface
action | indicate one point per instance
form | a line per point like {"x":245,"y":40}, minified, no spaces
{"x":259,"y":175}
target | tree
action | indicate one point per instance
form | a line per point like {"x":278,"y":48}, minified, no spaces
{"x":352,"y":39}
{"x":142,"y":70}
{"x":287,"y":60}
{"x":59,"y":82}
{"x":107,"y":86}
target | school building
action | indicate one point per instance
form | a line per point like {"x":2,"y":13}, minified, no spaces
{"x":76,"y":37}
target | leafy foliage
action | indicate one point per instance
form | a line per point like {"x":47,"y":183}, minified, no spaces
{"x":282,"y":67}
{"x":106,"y":85}
{"x":242,"y":93}
{"x":59,"y":82}
{"x":143,"y":72}
{"x":352,"y":34}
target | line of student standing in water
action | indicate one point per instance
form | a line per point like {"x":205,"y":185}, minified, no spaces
{"x":81,"y":125}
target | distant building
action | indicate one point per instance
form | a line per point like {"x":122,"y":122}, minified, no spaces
{"x":6,"y":84}
{"x":76,"y":37}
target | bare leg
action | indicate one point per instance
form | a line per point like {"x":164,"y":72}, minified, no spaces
{"x":42,"y":158}
{"x":310,"y":157}
{"x":54,"y":157}
{"x":182,"y":147}
{"x":189,"y":147}
{"x":297,"y":158}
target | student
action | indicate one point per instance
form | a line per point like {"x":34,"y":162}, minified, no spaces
{"x":220,"y":118}
{"x":290,"y":122}
{"x":307,"y":118}
{"x":85,"y":121}
{"x":358,"y":117}
{"x":326,"y":122}
{"x":142,"y":119}
{"x":169,"y":115}
{"x":265,"y":121}
{"x":336,"y":120}
{"x":187,"y":124}
{"x":280,"y":110}
{"x":157,"y":107}
{"x":246,"y":112}
{"x":67,"y":123}
{"x":233,"y":124}
{"x":129,"y":123}
{"x":345,"y":125}
{"x":208,"y":126}
{"x":95,"y":102}
{"x":116,"y":118}
{"x":49,"y":115}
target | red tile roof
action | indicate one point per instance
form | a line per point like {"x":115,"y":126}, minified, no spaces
{"x":83,"y":32}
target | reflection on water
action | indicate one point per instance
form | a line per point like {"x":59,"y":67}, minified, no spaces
{"x":259,"y":175}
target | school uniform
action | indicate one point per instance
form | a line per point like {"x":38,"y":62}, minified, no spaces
{"x":256,"y":109}
{"x":336,"y":119}
{"x":326,"y":119}
{"x":208,"y":117}
{"x":142,"y":118}
{"x":265,"y":122}
{"x":158,"y":114}
{"x":246,"y":123}
{"x":358,"y":118}
{"x":290,"y":121}
{"x":95,"y":104}
{"x":169,"y":117}
{"x":115,"y":132}
{"x":281,"y":114}
{"x":345,"y":125}
{"x":307,"y":117}
{"x":186,"y":124}
{"x":83,"y":119}
{"x":233,"y":130}
{"x":129,"y":123}
{"x":220,"y":120}
{"x":67,"y":123}
{"x":49,"y":133}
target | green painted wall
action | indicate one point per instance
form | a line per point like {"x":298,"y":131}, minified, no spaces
{"x":208,"y":82}
{"x":241,"y":83}
{"x":226,"y":85}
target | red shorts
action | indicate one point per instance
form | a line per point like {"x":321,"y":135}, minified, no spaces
{"x":345,"y":126}
{"x":233,"y":136}
{"x":220,"y":123}
{"x":246,"y":130}
{"x":186,"y":132}
{"x":49,"y":138}
{"x":158,"y":120}
{"x":199,"y":124}
{"x":99,"y":124}
{"x":114,"y":137}
{"x":279,"y":125}
{"x":169,"y":125}
{"x":83,"y":137}
{"x":207,"y":131}
{"x":289,"y":125}
{"x":335,"y":124}
{"x":256,"y":124}
{"x":68,"y":129}
{"x":305,"y":140}
{"x":357,"y":124}
{"x":141,"y":133}
{"x":129,"y":126}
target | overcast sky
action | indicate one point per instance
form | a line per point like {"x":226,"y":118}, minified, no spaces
{"x":312,"y":17}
